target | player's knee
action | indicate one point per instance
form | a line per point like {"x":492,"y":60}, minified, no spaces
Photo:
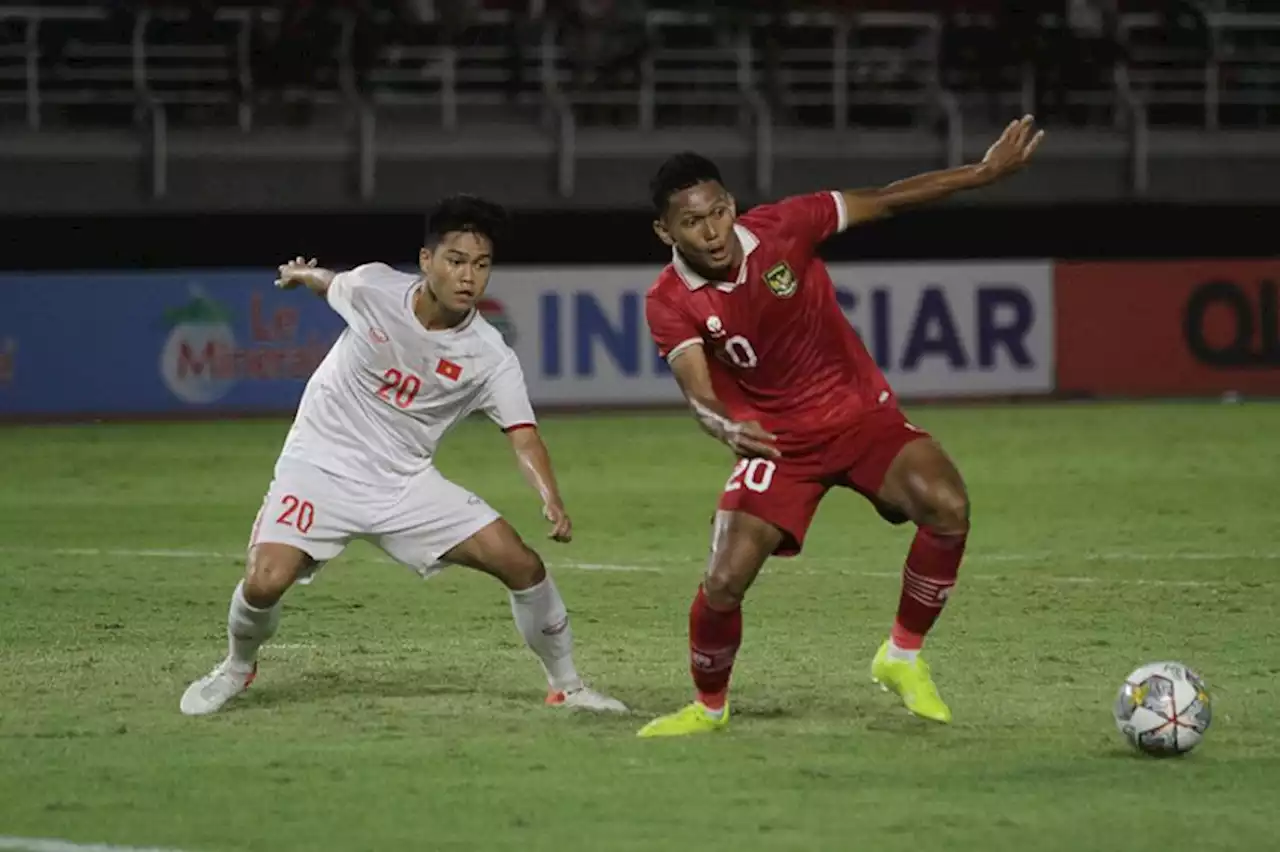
{"x":270,"y":572}
{"x":524,"y":569}
{"x":892,"y":514}
{"x":724,"y":587}
{"x":946,"y":508}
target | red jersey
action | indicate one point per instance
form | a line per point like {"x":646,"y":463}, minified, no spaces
{"x":784,"y":352}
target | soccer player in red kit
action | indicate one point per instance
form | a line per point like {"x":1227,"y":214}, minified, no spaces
{"x":746,"y":315}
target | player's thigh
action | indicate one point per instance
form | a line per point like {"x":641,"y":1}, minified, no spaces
{"x":784,"y":494}
{"x":438,"y":522}
{"x":928,"y":487}
{"x":498,"y":551}
{"x":304,"y":522}
{"x":906,"y":474}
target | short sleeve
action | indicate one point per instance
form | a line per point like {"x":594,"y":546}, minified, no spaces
{"x":349,"y":291}
{"x":506,"y":398}
{"x":671,"y":330}
{"x":813,"y":217}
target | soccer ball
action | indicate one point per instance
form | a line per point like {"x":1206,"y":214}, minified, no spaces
{"x":1163,"y":709}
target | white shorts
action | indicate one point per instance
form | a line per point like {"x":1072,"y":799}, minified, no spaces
{"x":414,"y":521}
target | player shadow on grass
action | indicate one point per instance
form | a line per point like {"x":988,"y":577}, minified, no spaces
{"x":867,"y":712}
{"x":303,"y":688}
{"x":895,"y":720}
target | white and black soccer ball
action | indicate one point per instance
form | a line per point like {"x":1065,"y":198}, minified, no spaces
{"x":1163,"y":709}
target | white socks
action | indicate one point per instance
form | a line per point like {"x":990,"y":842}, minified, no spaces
{"x":539,"y":613}
{"x":903,"y":654}
{"x":543,"y":621}
{"x":247,"y":628}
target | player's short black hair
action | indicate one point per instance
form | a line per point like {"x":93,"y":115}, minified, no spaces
{"x":464,"y":212}
{"x":680,"y":171}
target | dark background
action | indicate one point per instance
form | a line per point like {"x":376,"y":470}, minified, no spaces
{"x":1068,"y":231}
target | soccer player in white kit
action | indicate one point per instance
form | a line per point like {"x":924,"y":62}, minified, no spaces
{"x":415,"y":358}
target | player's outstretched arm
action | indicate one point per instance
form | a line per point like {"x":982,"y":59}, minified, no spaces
{"x":1007,"y":155}
{"x":694,"y":378}
{"x":535,"y":463}
{"x":304,"y":273}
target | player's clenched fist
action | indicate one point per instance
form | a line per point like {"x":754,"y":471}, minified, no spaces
{"x":750,"y":439}
{"x":561,"y":526}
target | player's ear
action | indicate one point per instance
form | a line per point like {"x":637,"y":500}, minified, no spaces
{"x":424,"y":258}
{"x":660,"y":229}
{"x":733,"y":206}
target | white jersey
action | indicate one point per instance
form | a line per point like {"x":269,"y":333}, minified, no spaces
{"x":377,"y":406}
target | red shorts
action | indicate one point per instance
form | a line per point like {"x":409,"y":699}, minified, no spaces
{"x":786,"y":492}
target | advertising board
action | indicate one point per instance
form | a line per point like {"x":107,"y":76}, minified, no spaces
{"x":222,"y":342}
{"x":1179,"y":328}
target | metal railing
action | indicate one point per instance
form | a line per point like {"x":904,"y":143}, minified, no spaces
{"x":1234,"y":74}
{"x":1134,"y":114}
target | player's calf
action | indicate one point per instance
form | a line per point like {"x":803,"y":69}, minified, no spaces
{"x":252,"y":618}
{"x":939,"y":505}
{"x":255,"y":604}
{"x":740,"y":544}
{"x":925,"y":484}
{"x":537,"y":609}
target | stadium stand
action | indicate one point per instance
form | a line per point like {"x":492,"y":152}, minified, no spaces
{"x":816,"y":65}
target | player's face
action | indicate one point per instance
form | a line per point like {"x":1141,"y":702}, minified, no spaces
{"x":699,"y":222}
{"x":457,"y":270}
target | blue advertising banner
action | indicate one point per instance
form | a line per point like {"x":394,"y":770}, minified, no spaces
{"x":156,"y":343}
{"x":227,"y":341}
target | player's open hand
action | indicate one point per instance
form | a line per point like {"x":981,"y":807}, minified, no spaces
{"x":750,"y":439}
{"x":561,"y":526}
{"x":1012,"y":150}
{"x":295,"y":273}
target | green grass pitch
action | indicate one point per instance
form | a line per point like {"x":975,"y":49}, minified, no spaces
{"x":396,"y":714}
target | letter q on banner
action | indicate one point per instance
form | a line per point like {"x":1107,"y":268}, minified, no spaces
{"x":1169,"y":328}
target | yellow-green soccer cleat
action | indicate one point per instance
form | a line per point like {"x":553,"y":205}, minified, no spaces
{"x":913,"y":684}
{"x":692,"y":719}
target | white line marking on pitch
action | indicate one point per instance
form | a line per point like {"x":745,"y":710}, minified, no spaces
{"x":126,"y":553}
{"x":1124,"y":556}
{"x":42,"y":844}
{"x":603,"y":566}
{"x":129,"y":553}
{"x":803,"y":565}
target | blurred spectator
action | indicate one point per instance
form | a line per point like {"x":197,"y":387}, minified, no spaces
{"x":1186,"y":25}
{"x":1081,"y":47}
{"x":606,"y":41}
{"x":987,"y":45}
{"x":288,"y":48}
{"x":524,"y":18}
{"x":767,"y":18}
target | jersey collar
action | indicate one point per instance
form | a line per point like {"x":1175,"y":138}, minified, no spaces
{"x":694,"y":281}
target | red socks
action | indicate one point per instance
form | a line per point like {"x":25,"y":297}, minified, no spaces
{"x":927,"y":579}
{"x":714,"y":637}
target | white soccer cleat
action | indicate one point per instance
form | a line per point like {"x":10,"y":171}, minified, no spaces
{"x":583,"y":698}
{"x":209,"y":693}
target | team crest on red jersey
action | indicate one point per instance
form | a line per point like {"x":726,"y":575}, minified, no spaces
{"x":781,"y":280}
